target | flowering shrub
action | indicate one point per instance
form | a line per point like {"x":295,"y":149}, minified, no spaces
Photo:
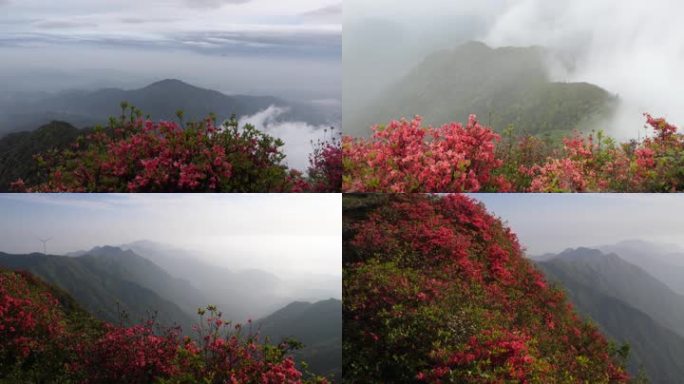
{"x":43,"y":341}
{"x":325,"y":165}
{"x":437,"y":290}
{"x":139,"y":155}
{"x":406,"y":157}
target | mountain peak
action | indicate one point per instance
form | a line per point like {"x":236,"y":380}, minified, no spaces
{"x":475,"y":45}
{"x":109,"y":251}
{"x":168,"y":84}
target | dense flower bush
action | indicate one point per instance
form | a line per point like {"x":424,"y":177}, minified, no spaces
{"x":437,"y":290}
{"x":404,"y":156}
{"x":41,"y":340}
{"x":135,"y":154}
{"x":407,"y":157}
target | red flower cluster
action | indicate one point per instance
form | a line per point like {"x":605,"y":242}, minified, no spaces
{"x":325,"y":165}
{"x":43,"y":341}
{"x":138,"y":155}
{"x":500,"y":351}
{"x":28,"y":319}
{"x":438,"y":290}
{"x":406,"y":157}
{"x":133,"y":354}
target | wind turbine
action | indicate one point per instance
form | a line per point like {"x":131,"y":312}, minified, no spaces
{"x":44,"y":241}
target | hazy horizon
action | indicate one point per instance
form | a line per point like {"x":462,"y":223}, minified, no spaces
{"x":260,"y":47}
{"x":288,"y":235}
{"x":552,"y":223}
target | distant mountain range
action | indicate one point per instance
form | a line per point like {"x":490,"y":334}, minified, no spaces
{"x":160,"y":100}
{"x":629,"y":304}
{"x":503,"y":87}
{"x":318,"y":326}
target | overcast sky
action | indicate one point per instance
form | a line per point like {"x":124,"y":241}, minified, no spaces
{"x":554,"y":222}
{"x":280,"y":233}
{"x":250,"y":46}
{"x":631,"y":48}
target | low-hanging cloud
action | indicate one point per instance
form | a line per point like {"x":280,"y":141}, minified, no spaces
{"x":299,"y":137}
{"x":617,"y":45}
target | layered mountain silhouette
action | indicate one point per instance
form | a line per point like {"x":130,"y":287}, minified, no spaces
{"x":503,"y":87}
{"x":317,"y":325}
{"x":664,"y":262}
{"x":103,"y":286}
{"x":159,"y":100}
{"x":126,"y":264}
{"x":242,"y":294}
{"x":628,"y":304}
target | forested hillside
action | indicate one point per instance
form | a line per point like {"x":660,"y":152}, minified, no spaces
{"x":437,"y":290}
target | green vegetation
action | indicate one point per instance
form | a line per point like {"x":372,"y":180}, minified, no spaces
{"x":102,"y":291}
{"x":505,"y":88}
{"x":437,"y":290}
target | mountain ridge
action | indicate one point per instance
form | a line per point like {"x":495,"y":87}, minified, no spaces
{"x":160,"y":99}
{"x":609,"y":290}
{"x":502,"y":86}
{"x":102,"y":293}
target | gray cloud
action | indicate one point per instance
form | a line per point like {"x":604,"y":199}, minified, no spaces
{"x":275,"y":42}
{"x":628,"y":55}
{"x":62,"y":24}
{"x":213,"y":3}
{"x":140,"y":20}
{"x":330,"y":12}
